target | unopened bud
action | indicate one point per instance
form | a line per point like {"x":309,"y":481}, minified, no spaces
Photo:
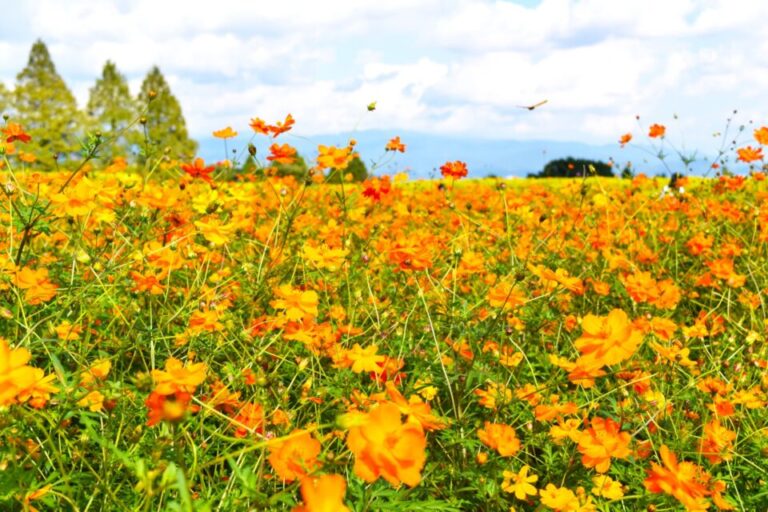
{"x":252,"y":149}
{"x":151,"y":95}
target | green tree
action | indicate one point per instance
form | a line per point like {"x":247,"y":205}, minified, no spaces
{"x":4,"y":98}
{"x":297,"y":169}
{"x":46,"y":108}
{"x":356,"y":168}
{"x":165,"y":128}
{"x":111,"y":110}
{"x":574,"y":167}
{"x":250,"y":165}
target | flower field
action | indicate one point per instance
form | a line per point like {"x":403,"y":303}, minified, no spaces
{"x":174,"y":340}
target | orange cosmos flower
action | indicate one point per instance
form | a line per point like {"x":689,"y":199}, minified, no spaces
{"x":29,"y":158}
{"x":222,"y":398}
{"x":65,"y":331}
{"x":214,"y":231}
{"x":364,"y":359}
{"x":394,"y":144}
{"x":717,"y":442}
{"x":324,"y":257}
{"x":685,"y":481}
{"x":323,"y":494}
{"x":178,"y":377}
{"x":333,"y":157}
{"x":20,"y":382}
{"x":226,"y":133}
{"x":499,"y":437}
{"x":555,"y":409}
{"x":761,"y":135}
{"x":722,"y":407}
{"x":625,"y":139}
{"x":495,"y":394}
{"x":14,"y":132}
{"x":700,"y":243}
{"x":607,"y":487}
{"x":146,"y":283}
{"x":642,"y":287}
{"x":98,"y":371}
{"x":412,"y":254}
{"x":454,"y":170}
{"x":607,"y":340}
{"x":259,"y":126}
{"x":560,"y":499}
{"x":197,"y":169}
{"x":600,"y":287}
{"x":723,"y":268}
{"x":385,"y":446}
{"x":94,"y":401}
{"x":295,"y":303}
{"x":583,"y":376}
{"x":657,"y":130}
{"x":205,"y":321}
{"x":415,"y":409}
{"x":718,"y":488}
{"x":280,"y":418}
{"x":566,"y":429}
{"x":294,"y":456}
{"x":36,"y":285}
{"x":375,"y":188}
{"x":283,"y":127}
{"x":284,"y":154}
{"x":603,"y":440}
{"x":33,"y":496}
{"x":169,"y":408}
{"x":749,"y":154}
{"x":462,"y":348}
{"x":171,"y":399}
{"x":505,"y":296}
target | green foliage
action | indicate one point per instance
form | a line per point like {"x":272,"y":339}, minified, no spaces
{"x":4,"y":98}
{"x":165,"y":128}
{"x":46,"y":108}
{"x":298,"y":168}
{"x":574,"y":167}
{"x":356,"y":168}
{"x":250,"y":165}
{"x":111,"y":110}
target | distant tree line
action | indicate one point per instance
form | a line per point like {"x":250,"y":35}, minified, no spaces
{"x":130,"y":126}
{"x":134,"y":127}
{"x":574,"y":167}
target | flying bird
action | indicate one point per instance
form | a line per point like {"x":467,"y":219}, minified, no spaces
{"x":531,"y":107}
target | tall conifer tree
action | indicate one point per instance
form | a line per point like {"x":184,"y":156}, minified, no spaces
{"x":46,"y":108}
{"x":165,"y":126}
{"x":4,"y":99}
{"x":111,"y":110}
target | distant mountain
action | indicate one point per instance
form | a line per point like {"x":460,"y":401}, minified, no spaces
{"x":425,"y":153}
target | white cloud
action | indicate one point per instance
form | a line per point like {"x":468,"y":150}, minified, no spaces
{"x":446,"y":66}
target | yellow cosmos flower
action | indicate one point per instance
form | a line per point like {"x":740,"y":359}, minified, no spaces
{"x":520,"y":484}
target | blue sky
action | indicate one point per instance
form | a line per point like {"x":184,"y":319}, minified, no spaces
{"x":457,"y":68}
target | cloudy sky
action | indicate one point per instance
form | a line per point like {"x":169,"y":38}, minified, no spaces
{"x":457,"y":67}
